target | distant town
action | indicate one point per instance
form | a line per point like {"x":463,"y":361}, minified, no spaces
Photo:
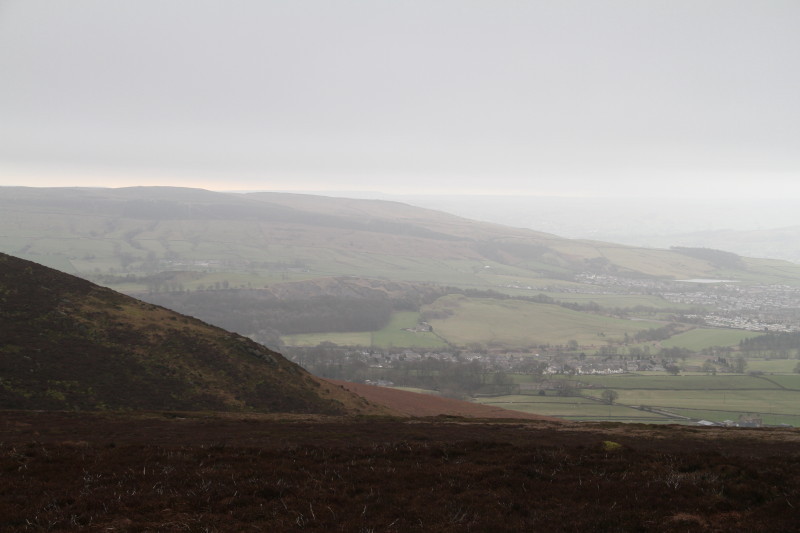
{"x":747,"y":307}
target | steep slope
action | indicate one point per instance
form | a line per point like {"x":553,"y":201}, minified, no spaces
{"x":66,"y":343}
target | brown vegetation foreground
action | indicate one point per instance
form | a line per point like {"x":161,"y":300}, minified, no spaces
{"x":192,"y":472}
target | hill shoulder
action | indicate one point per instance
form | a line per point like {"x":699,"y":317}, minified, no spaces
{"x":70,"y":344}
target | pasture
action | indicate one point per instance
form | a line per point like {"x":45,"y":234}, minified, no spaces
{"x":521,"y":324}
{"x":397,"y":334}
{"x":662,"y":381}
{"x":770,"y":366}
{"x":659,"y":398}
{"x":700,"y":338}
{"x":572,"y":408}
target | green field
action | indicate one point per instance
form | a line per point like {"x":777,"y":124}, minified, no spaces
{"x":744,"y":401}
{"x":780,"y":366}
{"x":394,"y":334}
{"x":700,"y":338}
{"x":571,"y":408}
{"x":352,"y":338}
{"x":788,"y":381}
{"x":662,"y":381}
{"x":659,"y":398}
{"x":521,"y":324}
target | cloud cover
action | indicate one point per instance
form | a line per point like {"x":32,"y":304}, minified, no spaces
{"x":604,"y":97}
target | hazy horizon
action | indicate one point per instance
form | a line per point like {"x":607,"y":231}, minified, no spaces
{"x":766,"y":228}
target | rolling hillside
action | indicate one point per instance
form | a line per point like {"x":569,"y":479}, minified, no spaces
{"x":306,"y":264}
{"x":290,"y":236}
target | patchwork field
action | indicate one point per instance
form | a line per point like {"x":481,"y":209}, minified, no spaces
{"x":667,"y":399}
{"x":510,"y":324}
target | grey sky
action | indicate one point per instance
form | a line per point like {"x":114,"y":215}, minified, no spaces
{"x":540,"y":97}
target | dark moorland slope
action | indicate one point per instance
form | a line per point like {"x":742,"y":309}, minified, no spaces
{"x":225,"y":473}
{"x":66,"y":343}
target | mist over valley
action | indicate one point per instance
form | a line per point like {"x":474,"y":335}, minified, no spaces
{"x":399,"y":266}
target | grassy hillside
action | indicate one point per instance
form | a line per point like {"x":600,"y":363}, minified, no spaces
{"x":69,"y":344}
{"x":274,"y":237}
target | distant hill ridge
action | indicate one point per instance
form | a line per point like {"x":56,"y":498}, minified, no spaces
{"x":147,"y":229}
{"x":66,"y":343}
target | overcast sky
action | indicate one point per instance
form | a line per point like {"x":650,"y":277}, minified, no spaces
{"x":592,"y":97}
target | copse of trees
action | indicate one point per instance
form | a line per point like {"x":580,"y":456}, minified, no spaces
{"x":773,"y":344}
{"x":674,"y":353}
{"x":656,"y":334}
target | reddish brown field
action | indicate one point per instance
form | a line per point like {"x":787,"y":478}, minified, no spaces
{"x":414,"y":404}
{"x":182,"y":472}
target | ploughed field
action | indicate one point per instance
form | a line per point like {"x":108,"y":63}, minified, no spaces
{"x":213,"y":472}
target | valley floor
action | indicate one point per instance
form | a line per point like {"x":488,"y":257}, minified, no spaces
{"x":215,"y":472}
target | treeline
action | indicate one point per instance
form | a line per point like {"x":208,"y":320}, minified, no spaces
{"x":774,"y":344}
{"x":656,"y":334}
{"x":249,"y":312}
{"x":588,"y":307}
